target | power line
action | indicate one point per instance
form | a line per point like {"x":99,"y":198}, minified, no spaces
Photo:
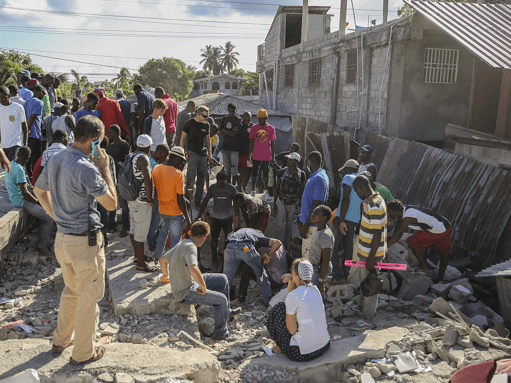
{"x":193,"y":5}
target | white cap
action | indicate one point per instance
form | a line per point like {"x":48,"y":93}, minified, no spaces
{"x":144,"y":141}
{"x":119,"y":91}
{"x":58,"y":105}
{"x":178,"y":151}
{"x":294,"y":156}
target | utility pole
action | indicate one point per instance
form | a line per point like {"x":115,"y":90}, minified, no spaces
{"x":342,"y":20}
{"x":305,"y":21}
{"x":385,"y":10}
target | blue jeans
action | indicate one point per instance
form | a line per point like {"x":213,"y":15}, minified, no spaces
{"x":234,"y":255}
{"x":231,"y":160}
{"x":197,"y":167}
{"x":46,"y":226}
{"x":339,"y":270}
{"x":217,"y":295}
{"x":152,"y":237}
{"x":316,"y":273}
{"x":171,"y":225}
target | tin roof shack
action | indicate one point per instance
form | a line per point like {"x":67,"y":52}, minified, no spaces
{"x":407,"y":78}
{"x":502,"y":274}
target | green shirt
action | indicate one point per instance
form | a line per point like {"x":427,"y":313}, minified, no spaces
{"x":384,"y":192}
{"x":46,"y":105}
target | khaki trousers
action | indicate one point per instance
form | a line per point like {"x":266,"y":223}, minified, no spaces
{"x":83,"y":269}
{"x":366,"y":304}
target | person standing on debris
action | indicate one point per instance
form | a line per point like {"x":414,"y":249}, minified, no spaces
{"x":170,"y":115}
{"x":154,"y":125}
{"x":244,"y":145}
{"x":188,"y":284}
{"x":262,"y":147}
{"x":230,"y":128}
{"x":169,"y":182}
{"x":221,"y":215}
{"x":364,"y":159}
{"x":243,"y":246}
{"x":314,"y":194}
{"x":182,"y":117}
{"x":69,"y":189}
{"x":195,"y":137}
{"x":288,"y":192}
{"x":13,"y":124}
{"x":140,"y":209}
{"x":347,"y":218}
{"x":321,"y":246}
{"x":298,"y":326}
{"x":258,"y":209}
{"x":372,"y":246}
{"x":145,"y":106}
{"x":20,"y":196}
{"x":434,"y":229}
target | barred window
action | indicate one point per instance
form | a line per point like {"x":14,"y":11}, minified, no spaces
{"x":351,"y":67}
{"x":269,"y":79}
{"x":289,"y":76}
{"x":315,"y":72}
{"x":440,"y":66}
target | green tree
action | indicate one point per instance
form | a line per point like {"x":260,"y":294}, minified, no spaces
{"x":12,"y":63}
{"x":238,"y":73}
{"x":229,"y":59}
{"x":170,"y":73}
{"x":251,"y":84}
{"x":201,"y":74}
{"x":123,"y":78}
{"x":212,"y":59}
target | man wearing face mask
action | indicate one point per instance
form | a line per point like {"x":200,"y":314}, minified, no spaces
{"x":314,"y":194}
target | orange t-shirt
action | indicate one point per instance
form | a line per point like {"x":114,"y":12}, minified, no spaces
{"x":169,"y":182}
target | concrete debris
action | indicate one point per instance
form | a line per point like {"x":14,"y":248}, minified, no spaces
{"x":413,"y":285}
{"x":452,"y":274}
{"x":106,"y":377}
{"x":480,"y":320}
{"x":459,"y":293}
{"x":123,"y":378}
{"x":385,"y":366}
{"x":465,"y":341}
{"x":207,"y":326}
{"x":339,"y":294}
{"x":441,"y":289}
{"x":336,"y":312}
{"x":450,"y":336}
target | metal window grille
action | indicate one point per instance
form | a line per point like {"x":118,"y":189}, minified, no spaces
{"x":289,"y":76}
{"x":441,"y":65}
{"x":315,"y":72}
{"x":351,"y":67}
{"x":269,"y":79}
{"x":261,"y":52}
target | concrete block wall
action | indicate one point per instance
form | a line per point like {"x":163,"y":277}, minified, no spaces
{"x":377,"y":94}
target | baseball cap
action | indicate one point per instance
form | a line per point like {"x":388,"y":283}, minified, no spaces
{"x":119,"y":91}
{"x":36,"y":75}
{"x":350,"y":164}
{"x":294,"y":156}
{"x":25,"y":72}
{"x":144,"y":141}
{"x":178,"y":151}
{"x":367,"y":148}
{"x":58,"y":105}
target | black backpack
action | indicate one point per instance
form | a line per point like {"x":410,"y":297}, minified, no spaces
{"x":128,"y":186}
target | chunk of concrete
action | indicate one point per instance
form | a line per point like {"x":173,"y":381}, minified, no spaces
{"x":386,"y":366}
{"x":441,"y":289}
{"x":450,"y":336}
{"x":207,"y":326}
{"x":122,"y":377}
{"x":414,"y":284}
{"x":422,"y":300}
{"x":30,"y":259}
{"x":451,"y":274}
{"x":459,"y":293}
{"x":465,"y":341}
{"x":443,"y":307}
{"x":339,"y":294}
{"x":480,"y":320}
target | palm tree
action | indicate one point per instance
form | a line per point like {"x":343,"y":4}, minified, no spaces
{"x":123,"y":76}
{"x":229,"y":59}
{"x":212,"y":59}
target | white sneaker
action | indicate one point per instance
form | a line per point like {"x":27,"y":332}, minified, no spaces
{"x":266,"y":195}
{"x":150,"y":253}
{"x":253,"y":193}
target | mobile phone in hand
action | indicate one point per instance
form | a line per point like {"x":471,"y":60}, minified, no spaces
{"x":95,"y":151}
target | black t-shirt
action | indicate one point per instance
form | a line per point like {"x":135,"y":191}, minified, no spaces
{"x":118,"y":152}
{"x":196,"y":132}
{"x":231,"y":124}
{"x":244,"y":140}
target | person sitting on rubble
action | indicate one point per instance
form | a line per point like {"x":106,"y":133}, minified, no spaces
{"x":258,"y":209}
{"x":298,"y":326}
{"x":434,"y":229}
{"x":189,"y":285}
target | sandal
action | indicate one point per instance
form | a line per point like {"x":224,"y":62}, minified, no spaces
{"x":99,"y":351}
{"x":59,"y":349}
{"x":146,"y":258}
{"x":148,"y":269}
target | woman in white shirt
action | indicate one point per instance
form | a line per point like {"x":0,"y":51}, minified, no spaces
{"x":298,"y":326}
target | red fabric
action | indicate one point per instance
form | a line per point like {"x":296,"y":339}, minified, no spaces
{"x":475,"y":373}
{"x":170,"y":114}
{"x":262,"y":219}
{"x":36,"y":171}
{"x":111,"y":114}
{"x":242,"y":160}
{"x":424,"y":238}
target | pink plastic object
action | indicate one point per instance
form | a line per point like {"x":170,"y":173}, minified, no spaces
{"x":378,"y":265}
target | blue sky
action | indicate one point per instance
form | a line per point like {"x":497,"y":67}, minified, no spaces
{"x":127,"y":33}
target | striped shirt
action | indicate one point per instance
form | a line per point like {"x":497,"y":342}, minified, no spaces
{"x":374,"y":218}
{"x":55,"y":148}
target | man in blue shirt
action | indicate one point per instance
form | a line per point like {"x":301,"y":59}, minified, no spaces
{"x":34,"y":113}
{"x":25,"y":93}
{"x":69,"y":189}
{"x":145,"y":106}
{"x":89,"y":108}
{"x":19,"y":195}
{"x":314,"y":194}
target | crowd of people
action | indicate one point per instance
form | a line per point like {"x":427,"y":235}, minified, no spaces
{"x":89,"y":159}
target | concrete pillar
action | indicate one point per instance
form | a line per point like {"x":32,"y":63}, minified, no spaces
{"x":305,"y":21}
{"x":385,"y":10}
{"x":342,"y":21}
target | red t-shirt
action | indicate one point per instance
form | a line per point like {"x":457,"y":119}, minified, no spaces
{"x":170,"y":114}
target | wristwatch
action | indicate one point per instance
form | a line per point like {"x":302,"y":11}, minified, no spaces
{"x":321,"y":280}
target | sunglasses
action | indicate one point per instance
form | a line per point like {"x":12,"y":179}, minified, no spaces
{"x":204,"y":115}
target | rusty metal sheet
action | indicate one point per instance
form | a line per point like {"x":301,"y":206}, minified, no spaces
{"x":471,"y":194}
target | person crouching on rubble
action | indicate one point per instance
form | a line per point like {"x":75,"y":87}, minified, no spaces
{"x":298,"y":326}
{"x":434,"y":230}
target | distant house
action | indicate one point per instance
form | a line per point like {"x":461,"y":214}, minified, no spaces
{"x":448,"y":63}
{"x":224,"y":83}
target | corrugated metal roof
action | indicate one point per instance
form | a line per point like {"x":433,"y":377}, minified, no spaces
{"x":474,"y":196}
{"x":217,"y":104}
{"x":298,"y":9}
{"x":484,"y":29}
{"x":499,"y":270}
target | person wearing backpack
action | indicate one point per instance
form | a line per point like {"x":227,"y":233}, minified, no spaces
{"x":289,"y":189}
{"x":141,"y":207}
